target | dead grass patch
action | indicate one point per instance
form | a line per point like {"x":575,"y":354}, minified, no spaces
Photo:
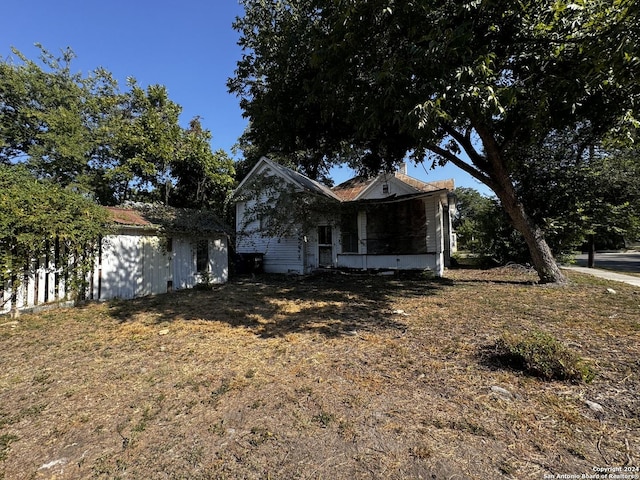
{"x":340,"y":377}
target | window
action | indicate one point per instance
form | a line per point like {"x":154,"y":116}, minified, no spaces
{"x":349,"y":242}
{"x":325,"y":246}
{"x":324,"y":235}
{"x":349,"y":232}
{"x":397,"y":228}
{"x":202,"y":256}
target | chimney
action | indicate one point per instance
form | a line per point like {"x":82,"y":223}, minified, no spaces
{"x":402,"y":168}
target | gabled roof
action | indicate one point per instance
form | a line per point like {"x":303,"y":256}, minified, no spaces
{"x":355,"y":188}
{"x":296,"y":178}
{"x":352,"y":188}
{"x":426,"y":186}
{"x":170,"y":219}
{"x":127,"y":216}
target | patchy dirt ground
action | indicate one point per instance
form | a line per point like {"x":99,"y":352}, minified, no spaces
{"x":336,"y":377}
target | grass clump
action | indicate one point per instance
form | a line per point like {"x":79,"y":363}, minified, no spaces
{"x":5,"y":441}
{"x":542,"y":355}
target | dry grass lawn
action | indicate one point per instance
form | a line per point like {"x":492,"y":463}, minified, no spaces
{"x":333,"y":377}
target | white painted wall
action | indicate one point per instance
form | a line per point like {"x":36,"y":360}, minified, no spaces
{"x":427,"y":261}
{"x":300,"y":254}
{"x":281,"y":255}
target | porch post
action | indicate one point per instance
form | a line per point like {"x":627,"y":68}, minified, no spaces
{"x":439,"y":240}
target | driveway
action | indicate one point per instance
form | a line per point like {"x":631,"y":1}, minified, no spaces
{"x":618,"y":261}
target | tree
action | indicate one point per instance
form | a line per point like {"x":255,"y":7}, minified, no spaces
{"x":82,"y":131}
{"x":36,"y":213}
{"x":471,"y":208}
{"x":145,"y":140}
{"x":577,"y":194}
{"x":471,"y":83}
{"x":305,"y":162}
{"x":204,"y":178}
{"x":580,"y":192}
{"x":46,"y":117}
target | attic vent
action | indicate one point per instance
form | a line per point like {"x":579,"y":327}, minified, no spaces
{"x":385,"y":188}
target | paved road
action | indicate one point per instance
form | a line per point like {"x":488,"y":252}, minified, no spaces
{"x":620,"y":262}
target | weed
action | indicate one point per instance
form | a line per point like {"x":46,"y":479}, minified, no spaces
{"x":259,"y":435}
{"x":542,"y":355}
{"x":577,"y":452}
{"x":421,"y":451}
{"x":5,"y":441}
{"x":195,"y":455}
{"x":32,"y":411}
{"x":305,"y":390}
{"x":323,"y":418}
{"x":5,"y":419}
{"x":506,"y":468}
{"x":224,"y":387}
{"x":42,"y":378}
{"x":217,"y":428}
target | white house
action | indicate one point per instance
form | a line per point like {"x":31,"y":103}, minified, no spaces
{"x":391,"y":221}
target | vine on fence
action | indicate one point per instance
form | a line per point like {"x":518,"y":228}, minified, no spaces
{"x":37,"y":215}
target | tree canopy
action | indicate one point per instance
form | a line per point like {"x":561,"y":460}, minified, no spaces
{"x":472,"y":83}
{"x":36,"y":213}
{"x":579,"y":195}
{"x":83,"y":132}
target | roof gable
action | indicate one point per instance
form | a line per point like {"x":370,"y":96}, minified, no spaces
{"x":386,"y":185}
{"x":290,"y":176}
{"x":354,"y":189}
{"x":398,"y":184}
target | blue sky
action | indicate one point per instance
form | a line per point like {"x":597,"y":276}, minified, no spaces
{"x":188,"y":46}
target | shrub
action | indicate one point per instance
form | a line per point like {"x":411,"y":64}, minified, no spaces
{"x":542,"y":355}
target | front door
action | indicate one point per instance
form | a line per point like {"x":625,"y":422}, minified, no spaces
{"x":325,"y":246}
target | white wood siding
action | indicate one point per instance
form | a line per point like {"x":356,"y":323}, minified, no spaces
{"x":132,"y":266}
{"x":362,"y":232}
{"x":183,"y":263}
{"x":218,"y":260}
{"x":389,"y":262}
{"x":281,"y":255}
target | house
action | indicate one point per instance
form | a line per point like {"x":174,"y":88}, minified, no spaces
{"x":391,"y":221}
{"x":156,"y":249}
{"x":151,"y":249}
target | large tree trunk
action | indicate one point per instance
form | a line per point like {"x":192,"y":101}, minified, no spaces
{"x":499,"y":180}
{"x":541,"y":256}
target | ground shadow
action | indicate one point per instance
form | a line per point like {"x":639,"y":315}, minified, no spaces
{"x":331,"y":304}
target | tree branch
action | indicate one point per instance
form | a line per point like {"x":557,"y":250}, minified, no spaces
{"x":461,"y":164}
{"x":465,"y":142}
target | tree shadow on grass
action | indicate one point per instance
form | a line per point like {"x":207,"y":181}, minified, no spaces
{"x":511,"y":274}
{"x":276,"y":305}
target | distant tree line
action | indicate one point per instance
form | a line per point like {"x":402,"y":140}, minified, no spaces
{"x":583,"y":197}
